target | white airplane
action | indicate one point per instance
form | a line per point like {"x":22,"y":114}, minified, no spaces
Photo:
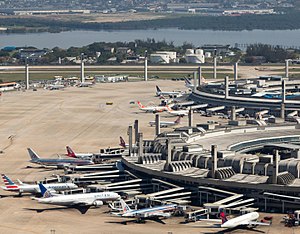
{"x":85,"y":84}
{"x":73,"y":200}
{"x":153,"y":109}
{"x":153,"y":213}
{"x":55,"y":87}
{"x":159,"y":93}
{"x":34,"y":188}
{"x":72,"y":154}
{"x":189,"y":84}
{"x":165,"y":124}
{"x":245,"y":220}
{"x":177,"y":112}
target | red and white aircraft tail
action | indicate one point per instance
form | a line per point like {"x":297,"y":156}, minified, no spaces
{"x":140,"y":104}
{"x":70,"y":152}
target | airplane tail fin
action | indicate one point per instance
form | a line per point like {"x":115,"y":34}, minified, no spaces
{"x":140,"y":104}
{"x":7,"y":181}
{"x":125,"y":207}
{"x":168,"y":108}
{"x":70,"y":152}
{"x":122,"y":142}
{"x":187,"y":82}
{"x":177,"y":121}
{"x":223,"y":217}
{"x":33,"y":155}
{"x":45,"y":192}
{"x":158,"y":90}
{"x":9,"y":184}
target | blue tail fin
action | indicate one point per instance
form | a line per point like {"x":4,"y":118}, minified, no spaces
{"x":7,"y":181}
{"x":45,"y":192}
{"x":33,"y":155}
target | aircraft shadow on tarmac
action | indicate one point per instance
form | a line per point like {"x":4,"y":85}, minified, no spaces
{"x":14,"y":196}
{"x":233,"y":230}
{"x":125,"y":222}
{"x":81,"y":209}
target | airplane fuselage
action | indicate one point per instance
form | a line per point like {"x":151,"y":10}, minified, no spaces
{"x":242,"y":220}
{"x":34,"y":188}
{"x":80,"y":199}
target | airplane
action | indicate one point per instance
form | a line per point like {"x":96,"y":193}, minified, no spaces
{"x":151,"y":108}
{"x":165,"y":124}
{"x":159,"y":93}
{"x":34,"y":188}
{"x":189,"y":84}
{"x":245,"y":220}
{"x":153,"y":213}
{"x":72,"y":154}
{"x":85,"y":84}
{"x":76,"y":200}
{"x":55,"y":87}
{"x":58,"y":162}
{"x":177,"y":112}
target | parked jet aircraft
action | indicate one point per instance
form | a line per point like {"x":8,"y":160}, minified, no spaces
{"x":245,"y":220}
{"x":151,"y":108}
{"x":159,"y":93}
{"x":59,"y":162}
{"x":165,"y":124}
{"x":34,"y":188}
{"x":72,"y":154}
{"x":85,"y":199}
{"x":85,"y":84}
{"x":153,"y":213}
{"x":177,"y":112}
{"x":55,"y":86}
{"x":189,"y":84}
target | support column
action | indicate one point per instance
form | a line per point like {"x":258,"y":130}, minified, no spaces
{"x":190,"y":117}
{"x":275,"y":167}
{"x":287,"y":68}
{"x":226,"y":87}
{"x":282,"y":111}
{"x":141,"y":145}
{"x":195,"y":82}
{"x":157,"y":124}
{"x":215,"y":67}
{"x":283,"y":91}
{"x":214,"y":160}
{"x":82,"y":69}
{"x":136,"y":131}
{"x":146,"y":66}
{"x":169,"y":154}
{"x":26,"y":75}
{"x":233,"y":114}
{"x":235,"y":72}
{"x":199,"y":76}
{"x":130,"y":140}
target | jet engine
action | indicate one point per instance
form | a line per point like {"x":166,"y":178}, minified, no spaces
{"x":97,"y":203}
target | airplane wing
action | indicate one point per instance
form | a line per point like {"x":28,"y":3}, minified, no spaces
{"x":258,"y":223}
{"x":156,"y":214}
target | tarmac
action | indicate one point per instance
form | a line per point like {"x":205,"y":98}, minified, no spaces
{"x":47,"y":121}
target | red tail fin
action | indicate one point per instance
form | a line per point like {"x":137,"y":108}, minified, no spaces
{"x":223,"y":217}
{"x":177,"y":121}
{"x":122,"y":142}
{"x":70,"y":152}
{"x":140,"y":104}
